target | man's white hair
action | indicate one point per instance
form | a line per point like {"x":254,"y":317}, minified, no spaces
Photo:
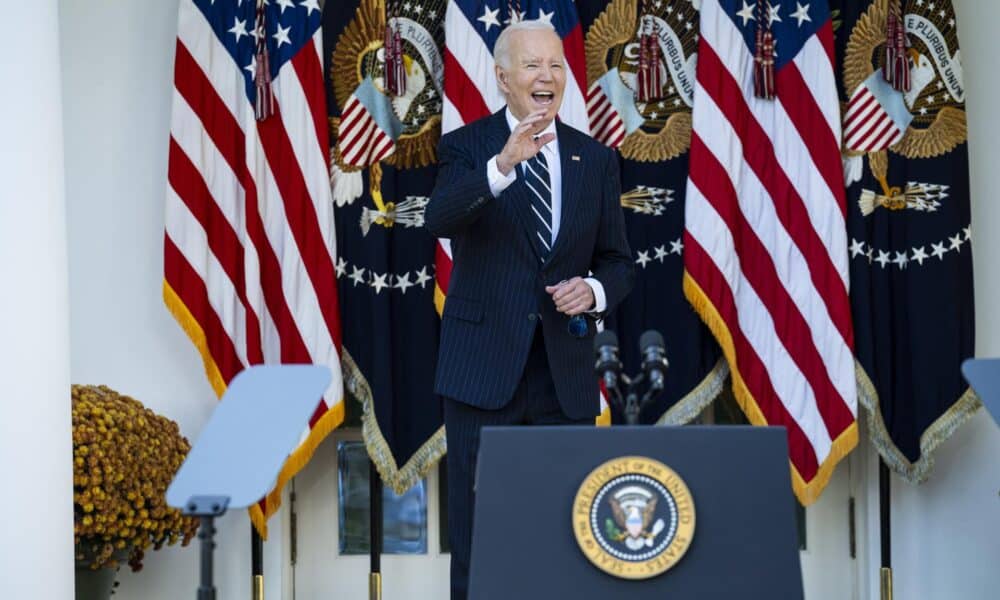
{"x":501,"y":49}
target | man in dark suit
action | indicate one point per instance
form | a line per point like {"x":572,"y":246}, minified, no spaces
{"x":532,"y":208}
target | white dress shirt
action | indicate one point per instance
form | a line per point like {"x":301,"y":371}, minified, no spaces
{"x":499,"y":182}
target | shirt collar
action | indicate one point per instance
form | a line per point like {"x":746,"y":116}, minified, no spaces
{"x":552,"y":146}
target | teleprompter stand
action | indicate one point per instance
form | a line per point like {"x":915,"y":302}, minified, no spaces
{"x":239,"y":453}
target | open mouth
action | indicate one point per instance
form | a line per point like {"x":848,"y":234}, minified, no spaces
{"x":543,"y":98}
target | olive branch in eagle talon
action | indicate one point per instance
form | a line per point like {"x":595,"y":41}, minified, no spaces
{"x":611,"y":530}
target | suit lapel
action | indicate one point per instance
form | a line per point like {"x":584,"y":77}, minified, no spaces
{"x":498,"y":132}
{"x":572,"y":180}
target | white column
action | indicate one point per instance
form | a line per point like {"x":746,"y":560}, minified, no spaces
{"x":36,"y":546}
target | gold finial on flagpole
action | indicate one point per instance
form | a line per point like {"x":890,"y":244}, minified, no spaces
{"x":258,"y":587}
{"x":886,"y":583}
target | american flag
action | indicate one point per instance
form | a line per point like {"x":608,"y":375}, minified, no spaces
{"x":248,"y":260}
{"x":765,"y":241}
{"x":471,"y":28}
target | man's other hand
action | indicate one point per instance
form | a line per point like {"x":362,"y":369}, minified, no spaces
{"x":572,"y":297}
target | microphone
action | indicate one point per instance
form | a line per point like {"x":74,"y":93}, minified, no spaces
{"x":654,"y":360}
{"x":607,"y":366}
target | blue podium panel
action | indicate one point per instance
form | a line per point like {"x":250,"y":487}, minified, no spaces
{"x":744,"y":545}
{"x":256,"y":425}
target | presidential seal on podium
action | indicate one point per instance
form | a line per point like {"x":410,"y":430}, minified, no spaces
{"x":633,"y":517}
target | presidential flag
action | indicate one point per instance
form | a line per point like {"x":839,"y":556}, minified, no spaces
{"x":765,"y":242}
{"x":909,"y":227}
{"x":385,"y":256}
{"x":249,"y":243}
{"x":652,"y":137}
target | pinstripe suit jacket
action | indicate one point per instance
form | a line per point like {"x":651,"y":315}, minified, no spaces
{"x":496,"y":294}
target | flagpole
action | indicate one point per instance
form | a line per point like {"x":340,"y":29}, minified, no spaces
{"x":256,"y":564}
{"x":375,"y":527}
{"x":885,"y":529}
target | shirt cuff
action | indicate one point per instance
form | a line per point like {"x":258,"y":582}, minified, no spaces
{"x":497,"y":180}
{"x":600,"y":301}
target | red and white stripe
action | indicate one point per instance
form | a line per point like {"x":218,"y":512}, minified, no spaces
{"x":867,"y":125}
{"x":249,"y":241}
{"x":765,"y":247}
{"x":606,"y":125}
{"x":362,"y":142}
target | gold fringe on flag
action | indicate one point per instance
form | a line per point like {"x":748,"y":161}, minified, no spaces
{"x":298,"y":459}
{"x":961,"y":411}
{"x":806,"y":492}
{"x":697,"y":400}
{"x":399,"y":479}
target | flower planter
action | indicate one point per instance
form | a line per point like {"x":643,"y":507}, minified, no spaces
{"x":94,"y":584}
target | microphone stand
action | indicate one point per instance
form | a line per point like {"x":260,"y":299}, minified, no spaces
{"x":632,"y":404}
{"x":609,"y":368}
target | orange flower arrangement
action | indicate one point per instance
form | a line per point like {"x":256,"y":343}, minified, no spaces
{"x":124,"y":458}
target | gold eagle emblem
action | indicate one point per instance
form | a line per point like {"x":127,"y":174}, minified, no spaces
{"x":612,"y":42}
{"x":359,"y":53}
{"x":936,"y":98}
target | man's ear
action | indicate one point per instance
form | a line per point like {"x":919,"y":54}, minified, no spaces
{"x":501,"y":78}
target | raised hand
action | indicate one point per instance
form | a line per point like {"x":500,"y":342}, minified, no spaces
{"x":522,"y":144}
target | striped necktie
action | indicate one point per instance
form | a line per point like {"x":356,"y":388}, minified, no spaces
{"x":536,"y":176}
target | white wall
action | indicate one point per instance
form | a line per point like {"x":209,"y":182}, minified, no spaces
{"x":117,"y":70}
{"x":36,"y":544}
{"x":117,"y":58}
